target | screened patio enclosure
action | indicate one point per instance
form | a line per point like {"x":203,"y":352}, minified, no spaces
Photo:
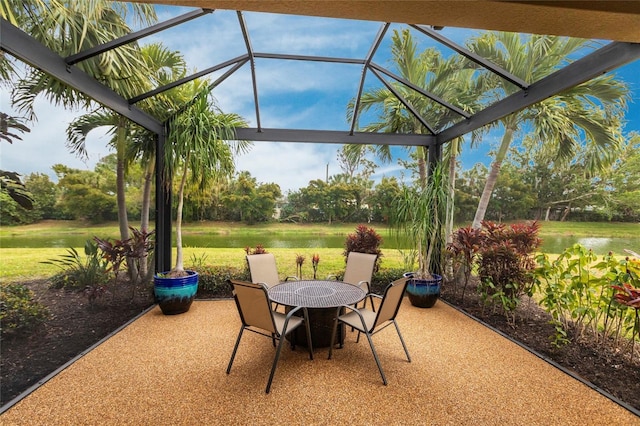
{"x":615,"y":24}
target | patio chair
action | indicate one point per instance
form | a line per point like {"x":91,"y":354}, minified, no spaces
{"x":263,"y":269}
{"x":369,"y":322}
{"x":257,"y":316}
{"x":359,"y":271}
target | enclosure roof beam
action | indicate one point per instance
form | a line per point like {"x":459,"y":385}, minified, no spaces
{"x":29,"y":50}
{"x":96,"y":50}
{"x":597,"y":63}
{"x":331,"y":136}
{"x":242,"y":59}
{"x":473,"y":57}
{"x":372,"y":51}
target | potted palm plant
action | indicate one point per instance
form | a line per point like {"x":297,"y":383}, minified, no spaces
{"x":198,"y":141}
{"x":418,"y":221}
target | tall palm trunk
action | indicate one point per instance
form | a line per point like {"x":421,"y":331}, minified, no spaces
{"x":179,"y":269}
{"x":422,"y":166}
{"x":492,"y":178}
{"x":123,"y":220}
{"x":144,"y":213}
{"x":454,"y":149}
{"x":451,"y":190}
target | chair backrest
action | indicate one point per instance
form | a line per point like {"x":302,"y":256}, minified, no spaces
{"x":390,"y":302}
{"x":263,"y":269}
{"x":253,"y":305}
{"x":359,"y":267}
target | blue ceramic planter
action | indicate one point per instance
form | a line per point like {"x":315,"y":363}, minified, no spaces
{"x":423,"y":293}
{"x":175,"y":295}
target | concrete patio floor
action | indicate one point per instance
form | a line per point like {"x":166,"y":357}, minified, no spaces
{"x":171,"y":370}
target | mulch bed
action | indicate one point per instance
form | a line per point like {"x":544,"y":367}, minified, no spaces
{"x":74,"y":326}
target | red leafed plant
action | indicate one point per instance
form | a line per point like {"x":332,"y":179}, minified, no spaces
{"x":465,"y":248}
{"x":299,"y":261}
{"x":258,"y":250}
{"x":364,"y":240}
{"x":629,"y":296}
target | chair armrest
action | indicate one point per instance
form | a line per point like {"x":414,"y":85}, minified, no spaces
{"x":332,"y":277}
{"x":292,"y":277}
{"x":357,"y":311}
{"x":365,"y":283}
{"x":263,"y":284}
{"x":305,"y":313}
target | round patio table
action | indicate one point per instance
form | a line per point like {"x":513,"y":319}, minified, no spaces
{"x":321,"y":298}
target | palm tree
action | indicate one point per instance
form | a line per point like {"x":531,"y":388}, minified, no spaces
{"x":199,"y":150}
{"x":586,"y":114}
{"x":68,"y":27}
{"x":449,"y":79}
{"x":161,"y":67}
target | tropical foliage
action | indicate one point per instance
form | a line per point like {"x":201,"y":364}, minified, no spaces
{"x":199,"y":151}
{"x":587,"y":117}
{"x":590,"y":296}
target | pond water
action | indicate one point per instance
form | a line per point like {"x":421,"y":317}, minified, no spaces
{"x":555,"y":244}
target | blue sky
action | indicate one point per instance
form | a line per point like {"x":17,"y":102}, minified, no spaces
{"x":292,"y":94}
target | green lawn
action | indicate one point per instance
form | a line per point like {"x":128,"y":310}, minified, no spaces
{"x":22,"y":263}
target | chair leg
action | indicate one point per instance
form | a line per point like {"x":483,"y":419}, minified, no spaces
{"x":275,"y":363}
{"x":235,"y":349}
{"x":333,"y":333}
{"x":402,"y":341}
{"x":308,"y":327}
{"x":375,"y":355}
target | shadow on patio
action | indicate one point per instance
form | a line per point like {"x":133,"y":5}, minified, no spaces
{"x":171,"y":370}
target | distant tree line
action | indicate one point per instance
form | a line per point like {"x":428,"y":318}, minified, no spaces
{"x":528,"y":188}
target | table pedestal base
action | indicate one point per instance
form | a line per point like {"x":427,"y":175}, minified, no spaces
{"x":321,"y":324}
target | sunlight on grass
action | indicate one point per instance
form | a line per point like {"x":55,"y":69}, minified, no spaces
{"x":23,"y":263}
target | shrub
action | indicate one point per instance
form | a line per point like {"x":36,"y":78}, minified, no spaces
{"x":506,"y":264}
{"x":383,"y":277}
{"x":129,"y":253}
{"x":78,"y":272}
{"x":258,"y":250}
{"x":18,"y":311}
{"x":464,"y":249}
{"x":213,"y":281}
{"x":364,"y":240}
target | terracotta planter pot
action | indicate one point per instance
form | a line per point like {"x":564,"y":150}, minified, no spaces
{"x":423,"y":293}
{"x":175,"y":295}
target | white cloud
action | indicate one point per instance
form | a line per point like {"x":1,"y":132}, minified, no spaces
{"x":290,"y":165}
{"x":44,"y":146}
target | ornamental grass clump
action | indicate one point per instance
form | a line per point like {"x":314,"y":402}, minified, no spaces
{"x":418,"y":222}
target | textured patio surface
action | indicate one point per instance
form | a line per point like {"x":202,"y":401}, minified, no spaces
{"x":171,"y":370}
